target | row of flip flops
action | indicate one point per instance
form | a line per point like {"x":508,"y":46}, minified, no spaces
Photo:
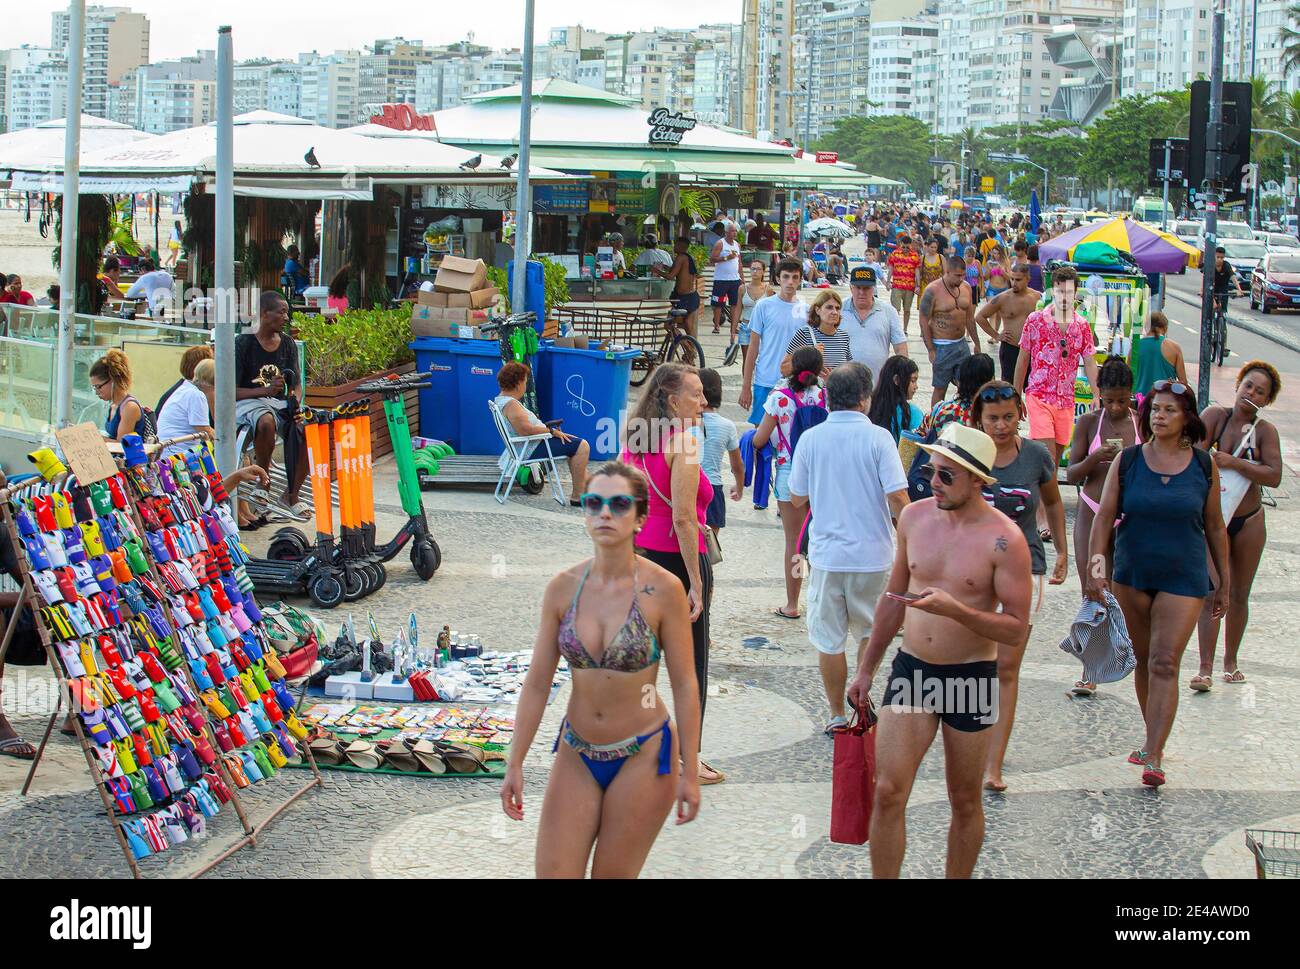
{"x":419,"y":757}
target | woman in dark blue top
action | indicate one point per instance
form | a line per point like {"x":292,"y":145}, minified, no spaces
{"x":1168,"y":493}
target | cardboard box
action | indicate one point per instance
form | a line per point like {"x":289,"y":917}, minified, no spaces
{"x":446,"y":313}
{"x":457,"y":275}
{"x":442,"y":328}
{"x":431,"y":298}
{"x":573,"y":342}
{"x":478,"y":299}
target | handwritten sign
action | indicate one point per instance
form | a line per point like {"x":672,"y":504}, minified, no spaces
{"x":86,"y":452}
{"x":667,"y":128}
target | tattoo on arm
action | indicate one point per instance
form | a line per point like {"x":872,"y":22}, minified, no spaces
{"x":927,"y":302}
{"x":1000,"y":544}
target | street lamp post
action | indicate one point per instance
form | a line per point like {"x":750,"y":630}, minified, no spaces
{"x":1020,"y":159}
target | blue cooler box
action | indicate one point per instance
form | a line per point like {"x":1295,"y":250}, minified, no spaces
{"x":587,"y":389}
{"x":463,"y":377}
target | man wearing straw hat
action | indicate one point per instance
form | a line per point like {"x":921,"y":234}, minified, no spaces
{"x":962,"y":569}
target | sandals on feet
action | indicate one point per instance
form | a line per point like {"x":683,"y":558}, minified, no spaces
{"x":1138,"y":758}
{"x":717,"y":777}
{"x":1236,"y":676}
{"x":1083,"y":688}
{"x":1152,"y":776}
{"x":835,"y":723}
{"x":783,"y":614}
{"x":18,"y":748}
{"x":1201,"y":684}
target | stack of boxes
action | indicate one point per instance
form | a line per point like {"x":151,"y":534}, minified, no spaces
{"x":460,"y":300}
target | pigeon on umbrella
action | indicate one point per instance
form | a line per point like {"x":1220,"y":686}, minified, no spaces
{"x":509,"y":161}
{"x":471,"y":163}
{"x":310,"y":157}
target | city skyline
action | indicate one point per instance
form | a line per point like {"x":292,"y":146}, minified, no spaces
{"x":276,"y":32}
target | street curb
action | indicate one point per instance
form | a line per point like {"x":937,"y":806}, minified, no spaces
{"x":1250,"y":326}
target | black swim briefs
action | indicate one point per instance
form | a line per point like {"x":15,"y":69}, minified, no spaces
{"x":962,"y":695}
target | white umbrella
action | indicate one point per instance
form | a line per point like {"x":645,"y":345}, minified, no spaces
{"x":43,"y":144}
{"x":831,"y":228}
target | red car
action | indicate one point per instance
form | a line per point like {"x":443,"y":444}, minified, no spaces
{"x":1276,"y":282}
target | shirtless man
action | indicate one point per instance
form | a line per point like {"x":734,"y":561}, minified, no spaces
{"x":963,"y":559}
{"x":947,"y":321}
{"x":685,"y":290}
{"x":1011,"y":307}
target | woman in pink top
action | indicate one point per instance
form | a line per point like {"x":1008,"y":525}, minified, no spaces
{"x":338,"y":289}
{"x":658,"y":443}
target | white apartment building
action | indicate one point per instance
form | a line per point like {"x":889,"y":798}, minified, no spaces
{"x":898,"y":48}
{"x":331,"y":87}
{"x":169,"y":95}
{"x":840,"y":66}
{"x":117,"y":40}
{"x":1253,"y":34}
{"x":35,"y":86}
{"x":387,"y":72}
{"x":1011,"y":74}
{"x":266,"y":85}
{"x":951,"y":67}
{"x":1167,"y":45}
{"x":497,"y":70}
{"x":769,"y":37}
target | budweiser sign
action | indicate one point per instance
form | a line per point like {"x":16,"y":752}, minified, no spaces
{"x":401,"y":117}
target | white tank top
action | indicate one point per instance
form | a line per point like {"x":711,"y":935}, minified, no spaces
{"x":729,"y":270}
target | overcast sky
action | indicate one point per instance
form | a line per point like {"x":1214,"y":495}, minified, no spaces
{"x":179,"y":27}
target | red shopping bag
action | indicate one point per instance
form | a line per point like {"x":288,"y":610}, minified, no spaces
{"x":853,"y":784}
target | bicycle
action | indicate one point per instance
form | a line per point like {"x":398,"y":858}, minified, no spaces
{"x":1219,"y":330}
{"x":678,"y":346}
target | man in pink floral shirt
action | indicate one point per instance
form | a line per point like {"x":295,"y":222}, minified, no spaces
{"x":1051,"y":345}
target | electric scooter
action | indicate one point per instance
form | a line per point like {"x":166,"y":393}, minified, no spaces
{"x":315,"y":572}
{"x":425,"y":554}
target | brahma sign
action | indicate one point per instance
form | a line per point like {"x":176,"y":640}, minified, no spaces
{"x":401,"y":117}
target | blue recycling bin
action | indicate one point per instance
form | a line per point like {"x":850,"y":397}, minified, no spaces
{"x":587,"y":389}
{"x":463,"y":378}
{"x":534,"y":291}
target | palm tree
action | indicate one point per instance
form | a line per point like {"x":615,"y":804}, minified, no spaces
{"x":1291,"y":39}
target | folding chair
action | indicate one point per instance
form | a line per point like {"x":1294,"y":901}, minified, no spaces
{"x":523,"y":451}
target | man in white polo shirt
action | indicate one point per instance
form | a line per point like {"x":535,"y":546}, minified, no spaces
{"x":873,"y":327}
{"x":848,"y":470}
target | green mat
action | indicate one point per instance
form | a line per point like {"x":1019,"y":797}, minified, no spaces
{"x":495,"y":768}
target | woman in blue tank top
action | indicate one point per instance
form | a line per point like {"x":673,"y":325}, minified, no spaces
{"x":1168,"y":494}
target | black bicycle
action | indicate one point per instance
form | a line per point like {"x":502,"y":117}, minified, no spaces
{"x":1219,"y":330}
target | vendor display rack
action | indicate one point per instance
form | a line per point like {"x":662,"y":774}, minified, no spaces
{"x":135,"y":580}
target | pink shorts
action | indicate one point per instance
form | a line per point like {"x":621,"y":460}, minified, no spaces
{"x":1048,"y":423}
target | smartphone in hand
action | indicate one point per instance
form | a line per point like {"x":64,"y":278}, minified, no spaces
{"x":903,"y":597}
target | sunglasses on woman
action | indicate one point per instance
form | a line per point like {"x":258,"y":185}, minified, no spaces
{"x":1172,"y":386}
{"x":594,"y":504}
{"x":929,"y":471}
{"x":991,"y":394}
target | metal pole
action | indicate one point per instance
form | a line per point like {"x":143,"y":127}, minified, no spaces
{"x":1213,"y":148}
{"x":71,"y":213}
{"x":524,"y":198}
{"x":225,"y":297}
{"x":1164,"y":202}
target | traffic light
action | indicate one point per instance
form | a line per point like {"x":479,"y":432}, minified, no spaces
{"x":1234,"y":155}
{"x":973,"y":185}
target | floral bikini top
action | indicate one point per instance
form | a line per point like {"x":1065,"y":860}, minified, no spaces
{"x":633,"y":648}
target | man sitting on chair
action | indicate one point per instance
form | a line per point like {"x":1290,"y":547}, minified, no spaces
{"x":512,"y":378}
{"x":266,"y":364}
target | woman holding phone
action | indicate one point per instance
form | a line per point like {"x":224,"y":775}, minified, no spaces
{"x":1099,"y":437}
{"x":1025,"y":478}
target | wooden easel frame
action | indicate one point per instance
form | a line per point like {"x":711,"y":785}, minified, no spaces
{"x":28,"y":597}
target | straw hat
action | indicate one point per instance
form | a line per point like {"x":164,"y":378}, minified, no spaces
{"x":972,"y":449}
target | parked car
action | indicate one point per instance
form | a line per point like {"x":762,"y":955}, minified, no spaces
{"x":1280,"y":242}
{"x":1275,"y":282}
{"x":1189,"y":232}
{"x":1224,"y":231}
{"x":1243,"y":255}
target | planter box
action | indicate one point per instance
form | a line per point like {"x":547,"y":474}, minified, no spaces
{"x":380,"y":444}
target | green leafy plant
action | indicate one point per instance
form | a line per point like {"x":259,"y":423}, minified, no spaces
{"x":554,"y":279}
{"x":354,"y":344}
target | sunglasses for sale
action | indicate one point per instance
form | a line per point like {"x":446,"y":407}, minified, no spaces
{"x":619,"y":505}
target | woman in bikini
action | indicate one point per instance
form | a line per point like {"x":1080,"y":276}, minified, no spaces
{"x":1260,"y":463}
{"x":1093,"y":448}
{"x":607,"y":793}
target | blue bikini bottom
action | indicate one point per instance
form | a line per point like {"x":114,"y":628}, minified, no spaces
{"x":606,"y":760}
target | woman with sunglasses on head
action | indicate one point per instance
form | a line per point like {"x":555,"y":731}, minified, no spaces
{"x":616,"y":773}
{"x":1241,"y":443}
{"x":1099,"y":437}
{"x":659,"y":445}
{"x":1168,"y":493}
{"x":1025,"y":476}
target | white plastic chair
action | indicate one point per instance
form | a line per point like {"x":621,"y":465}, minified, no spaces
{"x":523,"y":451}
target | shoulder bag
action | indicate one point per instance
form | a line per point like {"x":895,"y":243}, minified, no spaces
{"x":713,"y":551}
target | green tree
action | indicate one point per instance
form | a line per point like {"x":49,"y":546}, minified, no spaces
{"x":894,"y":146}
{"x":1118,"y":142}
{"x":1291,"y":40}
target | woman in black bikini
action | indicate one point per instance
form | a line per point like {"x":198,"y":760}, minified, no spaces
{"x":1260,"y":463}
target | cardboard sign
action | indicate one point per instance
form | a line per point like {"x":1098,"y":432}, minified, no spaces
{"x":86,"y":452}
